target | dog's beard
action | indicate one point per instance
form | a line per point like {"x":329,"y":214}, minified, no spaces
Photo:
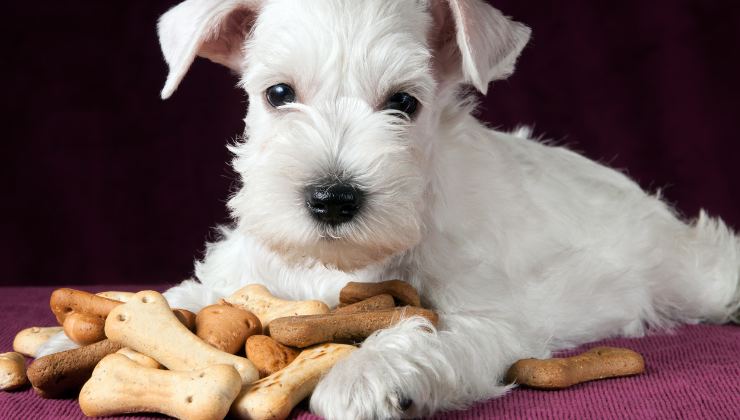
{"x":335,"y":253}
{"x":333,"y":247}
{"x":383,"y":228}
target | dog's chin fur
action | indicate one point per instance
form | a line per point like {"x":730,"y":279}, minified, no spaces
{"x":336,"y":254}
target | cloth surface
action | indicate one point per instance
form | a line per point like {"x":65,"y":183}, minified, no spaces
{"x":693,"y":372}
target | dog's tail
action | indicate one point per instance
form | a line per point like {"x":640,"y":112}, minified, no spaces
{"x":735,"y":304}
{"x":714,"y":260}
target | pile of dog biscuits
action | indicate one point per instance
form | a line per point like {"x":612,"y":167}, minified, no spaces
{"x":252,"y":354}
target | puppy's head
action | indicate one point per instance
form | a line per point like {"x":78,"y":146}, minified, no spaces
{"x":346,"y":103}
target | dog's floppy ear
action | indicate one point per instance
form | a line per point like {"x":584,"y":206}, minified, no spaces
{"x":214,"y":29}
{"x":473,"y":42}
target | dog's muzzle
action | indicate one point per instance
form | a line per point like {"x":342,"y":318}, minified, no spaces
{"x":333,"y":204}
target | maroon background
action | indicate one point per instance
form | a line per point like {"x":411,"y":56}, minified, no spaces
{"x":105,"y":183}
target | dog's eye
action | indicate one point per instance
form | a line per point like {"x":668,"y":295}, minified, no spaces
{"x":402,"y":101}
{"x":280,"y":94}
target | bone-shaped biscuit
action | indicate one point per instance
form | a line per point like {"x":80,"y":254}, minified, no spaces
{"x":268,"y":355}
{"x":66,"y":301}
{"x":146,"y":324}
{"x":226,"y":327}
{"x":118,"y":385}
{"x":303,"y":331}
{"x":258,"y":300}
{"x":29,"y":340}
{"x":83,"y":314}
{"x":556,"y":373}
{"x":403,"y":292}
{"x":116,"y":295}
{"x":83,"y":328}
{"x":274,"y":396}
{"x":186,"y":318}
{"x":384,"y":301}
{"x":139,"y":358}
{"x":12,"y":371}
{"x":62,"y":374}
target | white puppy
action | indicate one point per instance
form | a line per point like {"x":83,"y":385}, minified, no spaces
{"x":361,"y":162}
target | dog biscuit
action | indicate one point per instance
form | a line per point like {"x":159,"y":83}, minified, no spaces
{"x":115,"y":295}
{"x":275,"y":396}
{"x":186,"y":318}
{"x":226,"y":327}
{"x":303,"y":331}
{"x":83,"y":328}
{"x":28,"y":341}
{"x":401,"y":291}
{"x":12,"y":371}
{"x":556,"y":373}
{"x":118,"y":386}
{"x":65,"y":301}
{"x":267,"y":355}
{"x":384,"y":301}
{"x":147,"y":325}
{"x":258,"y":300}
{"x":62,"y":374}
{"x":139,"y":358}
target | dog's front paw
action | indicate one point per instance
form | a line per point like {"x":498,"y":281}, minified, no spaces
{"x":360,"y":387}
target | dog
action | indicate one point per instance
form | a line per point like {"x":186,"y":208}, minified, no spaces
{"x":361,"y":161}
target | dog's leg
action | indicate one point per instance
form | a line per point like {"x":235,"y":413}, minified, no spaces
{"x":413,"y":370}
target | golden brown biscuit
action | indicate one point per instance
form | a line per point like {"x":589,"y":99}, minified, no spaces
{"x":383,"y":301}
{"x":186,"y":318}
{"x":226,"y":327}
{"x":306,"y":330}
{"x":402,"y":292}
{"x":275,"y":396}
{"x":66,"y":301}
{"x":268,"y":355}
{"x":83,"y":328}
{"x":557,"y":373}
{"x":63,"y":374}
{"x":12,"y":371}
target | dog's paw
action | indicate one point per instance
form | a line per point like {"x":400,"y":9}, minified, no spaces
{"x":360,"y":387}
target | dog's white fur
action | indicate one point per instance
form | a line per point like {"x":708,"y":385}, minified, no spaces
{"x":521,"y":247}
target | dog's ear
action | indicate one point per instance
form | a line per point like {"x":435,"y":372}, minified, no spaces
{"x":473,"y":42}
{"x":214,"y":29}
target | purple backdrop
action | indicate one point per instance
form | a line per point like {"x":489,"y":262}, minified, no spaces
{"x":105,"y":183}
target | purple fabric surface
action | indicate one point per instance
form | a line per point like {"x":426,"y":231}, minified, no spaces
{"x":693,"y":373}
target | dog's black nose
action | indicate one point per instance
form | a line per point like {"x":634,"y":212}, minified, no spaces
{"x":333,"y":204}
